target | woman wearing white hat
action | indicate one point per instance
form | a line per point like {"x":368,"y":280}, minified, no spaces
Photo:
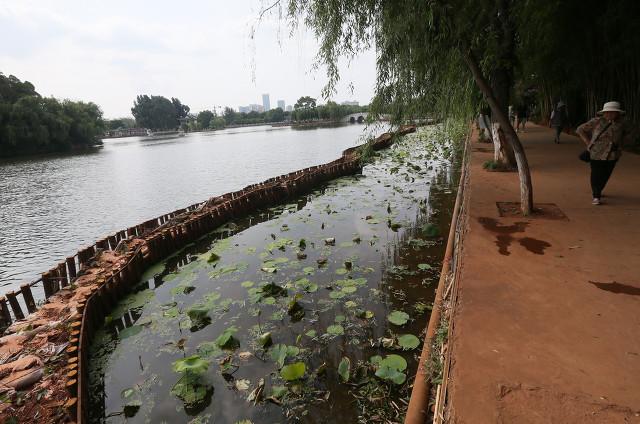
{"x":604,"y":137}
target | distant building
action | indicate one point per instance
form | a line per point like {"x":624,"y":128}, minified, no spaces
{"x":281,"y":104}
{"x":265,"y":102}
{"x":243,"y":109}
{"x":350,"y":103}
{"x":289,"y":108}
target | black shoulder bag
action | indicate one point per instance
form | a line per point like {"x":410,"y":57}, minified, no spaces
{"x":586,"y":155}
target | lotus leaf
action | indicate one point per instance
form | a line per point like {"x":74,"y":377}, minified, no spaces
{"x":398,"y":317}
{"x":336,"y":330}
{"x":226,"y":339}
{"x":193,"y":365}
{"x":344,"y":369}
{"x":293,"y":371}
{"x":408,"y":341}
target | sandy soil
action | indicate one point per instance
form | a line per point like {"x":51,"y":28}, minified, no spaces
{"x":547,"y":326}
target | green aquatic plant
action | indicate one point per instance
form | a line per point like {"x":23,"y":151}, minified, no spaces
{"x":424,"y":267}
{"x":190,"y":388}
{"x":408,"y":341}
{"x":335,"y":330}
{"x":344,"y":369}
{"x":295,"y":309}
{"x":265,"y":340}
{"x":430,"y":230}
{"x":280,"y":352}
{"x":199,"y":316}
{"x":398,"y":317}
{"x":391,"y":368}
{"x":226,"y":339}
{"x":293,"y":371}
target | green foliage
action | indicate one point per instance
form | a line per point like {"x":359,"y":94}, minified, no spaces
{"x":344,"y":369}
{"x":280,"y":352}
{"x":430,"y":230}
{"x":307,"y":109}
{"x":336,"y":330}
{"x":293,"y":371}
{"x":158,"y":112}
{"x":226,"y":339}
{"x":119,"y":123}
{"x":424,"y":267}
{"x":391,"y":368}
{"x":32,"y":124}
{"x":199,"y":315}
{"x":204,"y":119}
{"x":191,"y":365}
{"x":398,"y":317}
{"x":408,"y":341}
{"x":604,"y":51}
{"x":265,"y":340}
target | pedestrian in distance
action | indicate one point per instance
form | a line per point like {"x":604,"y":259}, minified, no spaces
{"x":512,"y":116}
{"x":522,"y":115}
{"x":559,"y":119}
{"x":604,"y":136}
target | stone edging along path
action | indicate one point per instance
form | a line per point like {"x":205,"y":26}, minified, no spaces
{"x":42,"y":372}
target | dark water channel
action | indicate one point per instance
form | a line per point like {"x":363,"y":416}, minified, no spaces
{"x":52,"y":206}
{"x":186,"y":347}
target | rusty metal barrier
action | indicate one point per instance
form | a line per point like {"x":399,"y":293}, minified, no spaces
{"x":418,"y":409}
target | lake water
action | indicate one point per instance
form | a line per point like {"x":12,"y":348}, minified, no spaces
{"x":342,"y":279}
{"x":52,"y":206}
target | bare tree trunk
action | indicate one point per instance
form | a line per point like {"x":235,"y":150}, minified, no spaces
{"x":526,"y":190}
{"x":501,"y":78}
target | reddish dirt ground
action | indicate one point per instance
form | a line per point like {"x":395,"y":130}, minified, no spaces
{"x":547,"y":325}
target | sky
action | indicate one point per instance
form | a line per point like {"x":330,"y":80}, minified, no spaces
{"x":199,"y":51}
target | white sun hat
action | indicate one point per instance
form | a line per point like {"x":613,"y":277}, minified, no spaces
{"x":612,"y":107}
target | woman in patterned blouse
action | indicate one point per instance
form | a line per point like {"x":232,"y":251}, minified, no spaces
{"x":604,"y":136}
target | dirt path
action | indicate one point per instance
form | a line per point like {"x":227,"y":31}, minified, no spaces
{"x":547,"y":326}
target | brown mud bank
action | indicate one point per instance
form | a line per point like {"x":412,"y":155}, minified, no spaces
{"x":43,"y":356}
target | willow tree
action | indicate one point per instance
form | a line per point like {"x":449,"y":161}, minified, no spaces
{"x":432,"y":56}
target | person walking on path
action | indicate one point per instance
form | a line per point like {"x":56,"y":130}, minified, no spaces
{"x":604,"y":137}
{"x":559,"y":119}
{"x":522,"y":116}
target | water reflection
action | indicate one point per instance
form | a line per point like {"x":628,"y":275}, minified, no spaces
{"x":52,"y":206}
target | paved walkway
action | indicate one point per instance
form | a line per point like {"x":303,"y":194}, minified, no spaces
{"x":550,"y":331}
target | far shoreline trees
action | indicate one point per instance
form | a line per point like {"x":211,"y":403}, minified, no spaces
{"x":31,"y":124}
{"x":158,"y":112}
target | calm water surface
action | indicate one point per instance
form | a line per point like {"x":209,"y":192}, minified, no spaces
{"x":327,"y":275}
{"x":50,"y":207}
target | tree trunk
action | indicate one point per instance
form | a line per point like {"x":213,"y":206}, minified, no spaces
{"x":502,"y":151}
{"x":500,"y":86}
{"x":526,"y":190}
{"x":501,"y":78}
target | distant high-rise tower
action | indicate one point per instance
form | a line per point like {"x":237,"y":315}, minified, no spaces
{"x":265,"y":102}
{"x":289,"y":108}
{"x":281,"y":104}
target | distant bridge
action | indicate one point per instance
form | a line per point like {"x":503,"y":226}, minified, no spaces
{"x":356,"y":117}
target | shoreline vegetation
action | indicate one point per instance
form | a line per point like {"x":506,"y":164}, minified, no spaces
{"x":31,"y":124}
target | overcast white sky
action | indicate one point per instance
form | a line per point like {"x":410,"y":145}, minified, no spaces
{"x":199,"y":51}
